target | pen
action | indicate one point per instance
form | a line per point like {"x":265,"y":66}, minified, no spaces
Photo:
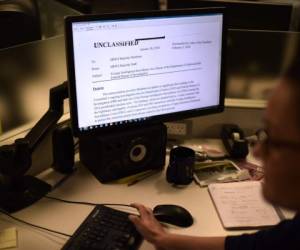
{"x":148,"y":174}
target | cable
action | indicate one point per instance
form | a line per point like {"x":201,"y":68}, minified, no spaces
{"x":33,"y":225}
{"x":87,"y":203}
{"x":61,"y":200}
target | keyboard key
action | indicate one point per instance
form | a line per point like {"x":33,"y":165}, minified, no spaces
{"x":105,"y":229}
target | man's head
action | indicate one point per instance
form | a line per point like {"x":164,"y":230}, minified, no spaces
{"x":281,"y":152}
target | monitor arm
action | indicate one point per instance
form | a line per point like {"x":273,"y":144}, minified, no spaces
{"x":15,"y":159}
{"x":50,"y":118}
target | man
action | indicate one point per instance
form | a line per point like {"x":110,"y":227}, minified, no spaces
{"x":280,"y":154}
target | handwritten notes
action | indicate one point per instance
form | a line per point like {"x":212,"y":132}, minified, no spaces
{"x":242,"y":205}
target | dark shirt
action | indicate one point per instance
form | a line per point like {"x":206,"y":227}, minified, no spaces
{"x":285,"y":235}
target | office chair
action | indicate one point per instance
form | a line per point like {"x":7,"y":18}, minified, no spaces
{"x":19,"y":22}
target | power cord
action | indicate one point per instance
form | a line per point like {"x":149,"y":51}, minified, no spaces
{"x":33,"y":225}
{"x":86,"y":203}
{"x":61,"y":200}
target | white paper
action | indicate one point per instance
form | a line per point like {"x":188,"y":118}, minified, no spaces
{"x":242,"y":205}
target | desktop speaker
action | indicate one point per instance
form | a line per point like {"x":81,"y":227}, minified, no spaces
{"x":116,"y":155}
{"x":63,"y":149}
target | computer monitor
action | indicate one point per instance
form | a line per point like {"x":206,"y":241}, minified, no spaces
{"x":127,"y":70}
{"x":246,"y":14}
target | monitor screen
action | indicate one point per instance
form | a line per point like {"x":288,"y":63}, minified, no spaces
{"x":132,"y":69}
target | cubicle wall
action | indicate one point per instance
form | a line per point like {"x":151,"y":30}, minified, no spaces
{"x":26,"y":75}
{"x":52,"y":17}
{"x":29,"y":71}
{"x":254,"y":61}
{"x":254,"y":15}
{"x":253,"y":65}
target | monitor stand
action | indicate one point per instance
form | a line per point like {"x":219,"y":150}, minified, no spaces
{"x":23,"y":192}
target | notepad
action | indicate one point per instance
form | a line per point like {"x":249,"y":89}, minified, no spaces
{"x":8,"y":238}
{"x":241,"y":205}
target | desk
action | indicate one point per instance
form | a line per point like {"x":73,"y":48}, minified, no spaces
{"x":82,"y":186}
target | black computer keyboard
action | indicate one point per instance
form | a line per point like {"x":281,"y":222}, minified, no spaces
{"x":105,"y":228}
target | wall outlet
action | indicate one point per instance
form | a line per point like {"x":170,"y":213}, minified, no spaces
{"x":177,"y":128}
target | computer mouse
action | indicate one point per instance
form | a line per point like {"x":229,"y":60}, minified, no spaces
{"x":173,"y":214}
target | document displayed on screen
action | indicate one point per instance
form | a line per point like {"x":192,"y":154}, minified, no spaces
{"x":140,"y":68}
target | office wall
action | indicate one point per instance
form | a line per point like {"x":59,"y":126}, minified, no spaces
{"x":249,"y":119}
{"x":26,"y":75}
{"x":29,"y":71}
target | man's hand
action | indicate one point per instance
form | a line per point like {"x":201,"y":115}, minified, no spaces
{"x":147,"y":225}
{"x":153,"y":232}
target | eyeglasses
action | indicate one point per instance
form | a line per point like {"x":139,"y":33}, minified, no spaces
{"x":268,"y":143}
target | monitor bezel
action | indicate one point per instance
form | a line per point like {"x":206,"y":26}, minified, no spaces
{"x":161,"y":118}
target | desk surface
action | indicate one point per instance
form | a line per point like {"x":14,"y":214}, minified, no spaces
{"x":82,"y":186}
